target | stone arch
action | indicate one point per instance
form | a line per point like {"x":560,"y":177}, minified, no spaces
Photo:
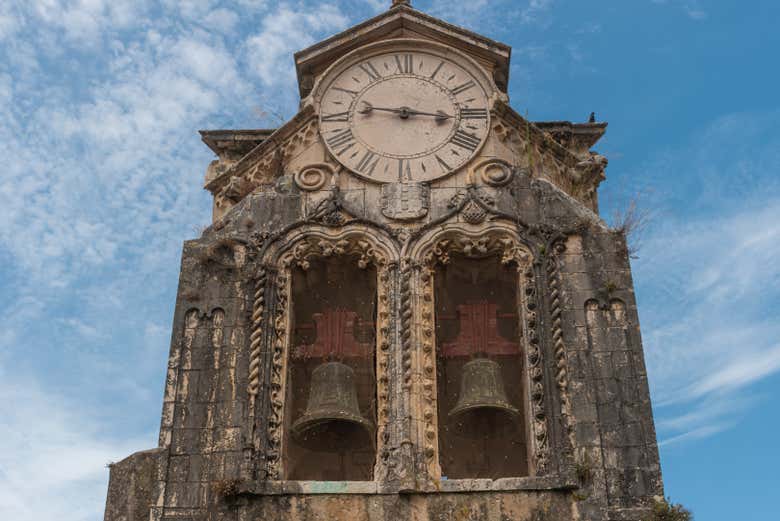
{"x":489,"y":237}
{"x":370,"y":246}
{"x":431,"y":248}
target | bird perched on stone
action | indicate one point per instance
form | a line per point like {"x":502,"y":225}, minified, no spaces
{"x":592,"y":118}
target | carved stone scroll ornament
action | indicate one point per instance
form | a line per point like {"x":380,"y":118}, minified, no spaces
{"x":366,"y":254}
{"x":314,"y":177}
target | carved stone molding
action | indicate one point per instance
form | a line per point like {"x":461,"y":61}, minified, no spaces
{"x":559,"y":347}
{"x":383,"y":332}
{"x":427,"y":314}
{"x":317,"y":248}
{"x":278,"y":378}
{"x":509,"y":249}
{"x":406,"y":322}
{"x":539,"y":416}
{"x":256,"y":337}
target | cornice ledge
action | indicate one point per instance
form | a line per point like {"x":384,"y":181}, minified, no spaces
{"x":273,"y":141}
{"x":512,"y":117}
{"x":585,"y":214}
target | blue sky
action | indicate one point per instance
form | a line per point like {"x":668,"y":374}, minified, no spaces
{"x":102,"y":168}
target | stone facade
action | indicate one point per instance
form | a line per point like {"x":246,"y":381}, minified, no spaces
{"x":528,"y":197}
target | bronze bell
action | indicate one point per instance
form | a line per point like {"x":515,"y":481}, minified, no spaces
{"x":332,"y":419}
{"x":483,"y":407}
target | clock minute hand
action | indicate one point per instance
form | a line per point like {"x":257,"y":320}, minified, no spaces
{"x":404,"y":112}
{"x":368,"y":108}
{"x":439,"y":114}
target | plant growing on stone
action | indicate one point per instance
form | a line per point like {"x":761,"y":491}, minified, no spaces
{"x":667,"y":511}
{"x":227,"y":488}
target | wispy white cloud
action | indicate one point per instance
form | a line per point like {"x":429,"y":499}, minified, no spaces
{"x":9,"y":21}
{"x":485,"y":14}
{"x":708,"y":282}
{"x":86,"y":22}
{"x":535,"y":9}
{"x":696,"y":434}
{"x":691,"y":8}
{"x":223,"y":20}
{"x":55,"y":448}
{"x":285,"y":31}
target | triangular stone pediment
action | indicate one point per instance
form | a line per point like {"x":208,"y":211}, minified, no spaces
{"x":402,"y":22}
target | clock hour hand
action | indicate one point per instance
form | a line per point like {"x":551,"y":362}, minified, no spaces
{"x":404,"y":112}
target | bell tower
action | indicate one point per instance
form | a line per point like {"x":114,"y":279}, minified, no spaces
{"x":407,"y":307}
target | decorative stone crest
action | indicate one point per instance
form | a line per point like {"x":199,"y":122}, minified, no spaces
{"x":405,"y":201}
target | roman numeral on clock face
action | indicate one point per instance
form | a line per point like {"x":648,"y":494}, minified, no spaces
{"x":368,"y":163}
{"x":405,"y":63}
{"x":341,"y":138}
{"x":341,"y":117}
{"x":404,"y":170}
{"x":370,"y":70}
{"x":465,"y":140}
{"x":443,"y":164}
{"x":473,"y":113}
{"x":435,"y":72}
{"x":463,"y":88}
{"x":352,"y":93}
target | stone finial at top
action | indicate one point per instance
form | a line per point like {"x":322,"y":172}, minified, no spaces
{"x":397,"y":3}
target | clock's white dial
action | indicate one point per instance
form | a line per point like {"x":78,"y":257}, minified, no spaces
{"x":404,"y":115}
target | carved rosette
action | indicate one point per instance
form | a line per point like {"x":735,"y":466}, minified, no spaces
{"x":301,"y":255}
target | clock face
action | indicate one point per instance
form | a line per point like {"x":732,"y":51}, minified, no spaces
{"x":405,"y":115}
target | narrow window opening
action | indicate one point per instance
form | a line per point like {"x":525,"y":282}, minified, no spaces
{"x":482,"y":428}
{"x":330,"y":432}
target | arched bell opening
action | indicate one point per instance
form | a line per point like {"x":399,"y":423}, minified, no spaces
{"x":481,"y":411}
{"x":331,"y":418}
